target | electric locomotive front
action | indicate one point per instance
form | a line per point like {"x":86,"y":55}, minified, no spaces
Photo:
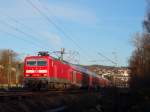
{"x":37,"y":70}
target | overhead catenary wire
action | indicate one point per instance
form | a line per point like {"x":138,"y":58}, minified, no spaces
{"x":22,"y":32}
{"x":18,"y":30}
{"x":50,"y":21}
{"x":56,"y":26}
{"x":53,"y":17}
{"x":110,"y":60}
{"x":18,"y":37}
{"x":27,"y":27}
{"x":50,"y":13}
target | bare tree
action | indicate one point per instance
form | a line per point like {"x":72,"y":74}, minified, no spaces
{"x":140,"y":62}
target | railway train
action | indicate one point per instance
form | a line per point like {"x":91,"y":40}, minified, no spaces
{"x":44,"y":72}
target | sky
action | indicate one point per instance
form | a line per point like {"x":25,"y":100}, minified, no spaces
{"x":83,"y":27}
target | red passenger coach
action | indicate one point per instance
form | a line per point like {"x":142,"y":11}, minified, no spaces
{"x":44,"y":72}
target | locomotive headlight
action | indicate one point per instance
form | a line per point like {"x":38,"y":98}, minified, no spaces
{"x":29,"y":71}
{"x":27,"y":75}
{"x":44,"y":75}
{"x":42,"y":71}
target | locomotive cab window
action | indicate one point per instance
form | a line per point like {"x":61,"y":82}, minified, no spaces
{"x":41,"y":63}
{"x":31,"y":63}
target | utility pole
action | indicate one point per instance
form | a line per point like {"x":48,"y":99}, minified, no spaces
{"x":9,"y":68}
{"x":62,"y":53}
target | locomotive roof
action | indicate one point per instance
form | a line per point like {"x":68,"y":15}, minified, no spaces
{"x":84,"y":70}
{"x":76,"y":67}
{"x":39,"y":57}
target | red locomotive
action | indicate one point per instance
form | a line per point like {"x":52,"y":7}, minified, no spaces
{"x":44,"y":72}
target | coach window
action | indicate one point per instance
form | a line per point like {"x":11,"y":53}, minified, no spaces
{"x":31,"y":63}
{"x":41,"y":63}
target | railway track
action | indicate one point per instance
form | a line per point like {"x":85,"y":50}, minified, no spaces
{"x":26,"y":93}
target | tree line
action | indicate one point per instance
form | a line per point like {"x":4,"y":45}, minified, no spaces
{"x":11,"y":67}
{"x":140,"y":59}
